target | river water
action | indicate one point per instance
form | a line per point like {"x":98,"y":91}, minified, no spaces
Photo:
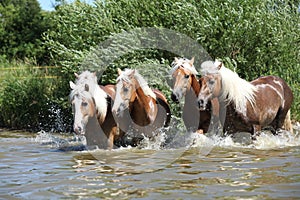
{"x":41,"y":166}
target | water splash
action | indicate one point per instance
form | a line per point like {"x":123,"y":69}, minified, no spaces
{"x":156,"y":142}
{"x":172,"y":138}
{"x":55,"y":120}
{"x":61,"y":142}
{"x":281,"y":140}
{"x":265,"y":141}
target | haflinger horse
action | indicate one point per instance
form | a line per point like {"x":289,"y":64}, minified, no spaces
{"x":91,"y":106}
{"x":138,"y":109}
{"x":186,"y":85}
{"x":251,"y":106}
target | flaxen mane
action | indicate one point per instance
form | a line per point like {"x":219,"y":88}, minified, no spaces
{"x":125,"y":76}
{"x":236,"y":89}
{"x":183,"y":62}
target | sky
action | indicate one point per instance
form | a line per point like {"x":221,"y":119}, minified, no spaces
{"x":48,"y":4}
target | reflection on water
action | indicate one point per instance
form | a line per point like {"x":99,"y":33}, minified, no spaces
{"x":36,"y":166}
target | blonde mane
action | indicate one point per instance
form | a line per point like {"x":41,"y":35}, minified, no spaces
{"x":236,"y":89}
{"x":141,"y":81}
{"x":185,"y":63}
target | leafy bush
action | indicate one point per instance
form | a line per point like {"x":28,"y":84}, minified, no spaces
{"x":27,"y":99}
{"x":256,"y":37}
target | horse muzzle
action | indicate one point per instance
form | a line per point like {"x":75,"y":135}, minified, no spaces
{"x":201,"y":105}
{"x":174,"y":97}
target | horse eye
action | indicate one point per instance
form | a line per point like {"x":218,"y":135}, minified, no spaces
{"x":125,"y":89}
{"x":186,"y":76}
{"x":211,"y":82}
{"x":84,"y":103}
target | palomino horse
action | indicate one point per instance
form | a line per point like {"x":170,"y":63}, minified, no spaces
{"x":92,"y":111}
{"x":138,"y":109}
{"x":251,"y":106}
{"x":186,"y":85}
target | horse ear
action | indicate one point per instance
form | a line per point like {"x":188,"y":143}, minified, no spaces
{"x":131,"y":75}
{"x":76,"y":75}
{"x":72,"y":85}
{"x":86,"y":87}
{"x":119,"y":71}
{"x":192,"y":61}
{"x":220,"y":65}
{"x":176,"y":59}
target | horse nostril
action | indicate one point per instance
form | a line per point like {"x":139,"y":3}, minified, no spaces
{"x":200,"y":103}
{"x":174,"y":97}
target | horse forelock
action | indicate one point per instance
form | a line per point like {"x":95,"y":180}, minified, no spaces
{"x":85,"y":77}
{"x":236,"y":89}
{"x":99,"y":95}
{"x":185,"y":63}
{"x":140,"y":80}
{"x":81,"y":94}
{"x":208,"y":67}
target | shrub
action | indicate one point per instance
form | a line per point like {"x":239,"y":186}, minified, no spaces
{"x":256,"y":37}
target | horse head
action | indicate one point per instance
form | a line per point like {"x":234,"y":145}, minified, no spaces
{"x":183,"y":72}
{"x":125,"y":91}
{"x":210,"y":83}
{"x":83,"y":106}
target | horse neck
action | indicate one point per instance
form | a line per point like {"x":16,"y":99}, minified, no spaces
{"x":194,"y":90}
{"x":100,"y":103}
{"x":144,"y":106}
{"x":195,"y":85}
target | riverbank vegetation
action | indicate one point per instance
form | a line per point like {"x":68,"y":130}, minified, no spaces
{"x":41,"y":50}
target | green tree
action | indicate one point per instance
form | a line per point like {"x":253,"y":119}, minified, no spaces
{"x":22,"y":25}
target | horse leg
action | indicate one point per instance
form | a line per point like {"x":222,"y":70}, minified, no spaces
{"x":110,"y":142}
{"x":216,"y":126}
{"x":256,"y":130}
{"x":111,"y":137}
{"x":287,"y":125}
{"x":282,"y":120}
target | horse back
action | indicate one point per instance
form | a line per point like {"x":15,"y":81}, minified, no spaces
{"x":160,"y":95}
{"x":162,"y":100}
{"x":278,"y":85}
{"x":110,"y":90}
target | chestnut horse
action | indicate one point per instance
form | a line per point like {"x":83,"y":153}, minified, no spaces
{"x":138,"y":109}
{"x":251,"y":106}
{"x":186,"y":85}
{"x":91,"y":106}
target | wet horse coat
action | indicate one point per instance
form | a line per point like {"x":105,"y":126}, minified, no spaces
{"x":138,"y":109}
{"x":186,"y":85}
{"x":92,"y":111}
{"x":251,"y":106}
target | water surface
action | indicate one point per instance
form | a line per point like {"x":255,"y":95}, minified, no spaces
{"x":35,"y":166}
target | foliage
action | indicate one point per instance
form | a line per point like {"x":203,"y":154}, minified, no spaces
{"x":255,"y":37}
{"x":255,"y":43}
{"x":27,"y":98}
{"x":21,"y":28}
